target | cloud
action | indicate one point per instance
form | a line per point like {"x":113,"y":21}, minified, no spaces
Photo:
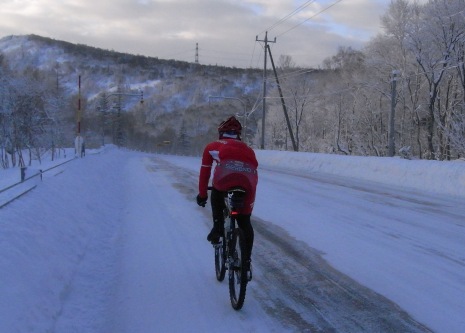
{"x":224,"y":29}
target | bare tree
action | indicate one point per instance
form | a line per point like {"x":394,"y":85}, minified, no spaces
{"x":437,"y":32}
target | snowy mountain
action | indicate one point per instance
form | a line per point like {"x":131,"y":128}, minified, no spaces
{"x":174,"y":92}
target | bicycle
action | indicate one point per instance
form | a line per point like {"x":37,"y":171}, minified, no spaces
{"x":230,"y":250}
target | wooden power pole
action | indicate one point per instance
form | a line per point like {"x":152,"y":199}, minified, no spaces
{"x":266,"y":41}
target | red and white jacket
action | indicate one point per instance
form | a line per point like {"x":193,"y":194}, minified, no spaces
{"x":236,"y":166}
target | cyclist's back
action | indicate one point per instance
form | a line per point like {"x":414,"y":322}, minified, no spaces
{"x":236,"y":166}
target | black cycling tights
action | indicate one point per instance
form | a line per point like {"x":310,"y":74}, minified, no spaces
{"x":243,"y":221}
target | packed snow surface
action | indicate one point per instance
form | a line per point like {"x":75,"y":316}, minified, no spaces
{"x":114,"y":242}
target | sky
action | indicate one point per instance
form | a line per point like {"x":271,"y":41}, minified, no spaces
{"x":224,"y":30}
{"x":101,"y":245}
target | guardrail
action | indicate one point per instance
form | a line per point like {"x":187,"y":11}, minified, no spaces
{"x":24,"y":179}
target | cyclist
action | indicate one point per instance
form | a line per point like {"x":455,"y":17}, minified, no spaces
{"x":236,"y":166}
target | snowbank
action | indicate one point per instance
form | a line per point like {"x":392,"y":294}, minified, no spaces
{"x":440,"y":177}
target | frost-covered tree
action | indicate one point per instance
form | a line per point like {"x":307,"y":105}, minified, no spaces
{"x":5,"y":115}
{"x":437,"y":31}
{"x":183,"y":140}
{"x":342,"y":98}
{"x":56,"y":102}
{"x":387,"y":54}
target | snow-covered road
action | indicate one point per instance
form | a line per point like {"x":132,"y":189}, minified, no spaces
{"x":115,"y":243}
{"x":167,"y":281}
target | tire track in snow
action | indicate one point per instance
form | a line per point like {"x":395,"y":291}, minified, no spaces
{"x":296,"y":285}
{"x":295,"y":279}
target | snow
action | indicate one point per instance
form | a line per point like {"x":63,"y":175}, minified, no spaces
{"x":114,"y":242}
{"x":424,"y":175}
{"x":140,"y":86}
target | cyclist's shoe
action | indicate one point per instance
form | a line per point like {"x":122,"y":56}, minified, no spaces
{"x":214,"y":236}
{"x":248,"y":269}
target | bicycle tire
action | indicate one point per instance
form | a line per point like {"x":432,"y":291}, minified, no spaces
{"x":220,"y":256}
{"x":237,"y":273}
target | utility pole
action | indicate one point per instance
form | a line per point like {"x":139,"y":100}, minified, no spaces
{"x":196,"y":53}
{"x":294,"y":145}
{"x":117,"y":134}
{"x":78,"y":140}
{"x":79,"y":107}
{"x":266,"y":41}
{"x":392,"y":130}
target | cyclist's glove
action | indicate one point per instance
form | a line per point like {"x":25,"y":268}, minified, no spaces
{"x":201,"y":201}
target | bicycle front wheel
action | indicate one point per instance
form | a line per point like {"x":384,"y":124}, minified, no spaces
{"x":220,"y":254}
{"x":237,"y":273}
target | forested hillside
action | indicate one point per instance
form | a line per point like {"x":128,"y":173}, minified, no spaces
{"x":41,"y":95}
{"x":403,"y":94}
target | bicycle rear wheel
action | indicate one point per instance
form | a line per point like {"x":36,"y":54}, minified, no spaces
{"x":220,"y":254}
{"x":237,"y":273}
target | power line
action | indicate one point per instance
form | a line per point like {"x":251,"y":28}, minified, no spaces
{"x":356,"y":88}
{"x":298,"y":9}
{"x":222,"y":51}
{"x":210,"y":56}
{"x":429,"y":72}
{"x":296,"y":73}
{"x":179,"y":53}
{"x":313,"y":16}
{"x":258,"y":57}
{"x":327,"y":94}
{"x":212,"y":59}
{"x":253,"y":54}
